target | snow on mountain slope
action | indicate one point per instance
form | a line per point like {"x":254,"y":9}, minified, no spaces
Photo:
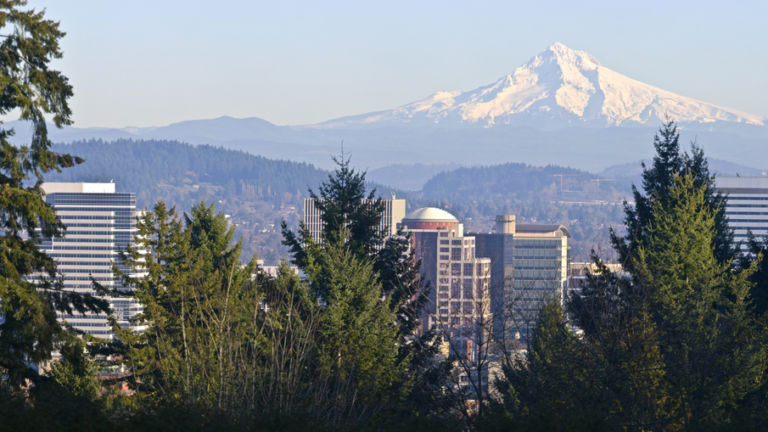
{"x":558,"y":87}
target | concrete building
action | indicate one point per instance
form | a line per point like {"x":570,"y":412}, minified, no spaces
{"x":394,"y":212}
{"x":746,"y":206}
{"x":459,"y":298}
{"x":100,"y":223}
{"x":529,"y":266}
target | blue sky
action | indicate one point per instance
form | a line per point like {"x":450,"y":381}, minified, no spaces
{"x":147,"y":63}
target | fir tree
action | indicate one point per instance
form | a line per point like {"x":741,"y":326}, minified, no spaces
{"x":757,"y":251}
{"x":700,"y":308}
{"x":657,"y":179}
{"x":351,"y":235}
{"x":551,"y":388}
{"x":28,"y":327}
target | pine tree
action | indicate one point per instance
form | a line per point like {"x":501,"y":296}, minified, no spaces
{"x":197,"y":298}
{"x":619,"y":331}
{"x":28,"y":327}
{"x":700,"y":307}
{"x":551,"y":388}
{"x":358,"y":343}
{"x":351,"y":237}
{"x":657,"y":179}
{"x":757,"y":251}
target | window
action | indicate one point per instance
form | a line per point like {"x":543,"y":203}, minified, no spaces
{"x":467,"y":288}
{"x":468,"y":307}
{"x":456,"y":254}
{"x":468,"y":269}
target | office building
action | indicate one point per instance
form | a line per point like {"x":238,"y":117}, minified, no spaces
{"x":746,"y":205}
{"x":100,"y":223}
{"x":529,"y":265}
{"x":459,"y":299}
{"x":394,"y":211}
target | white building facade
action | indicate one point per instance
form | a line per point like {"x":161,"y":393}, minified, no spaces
{"x":394,"y":212}
{"x":746,"y":205}
{"x":100,"y":223}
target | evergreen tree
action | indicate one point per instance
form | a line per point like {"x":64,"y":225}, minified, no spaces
{"x":550,"y":388}
{"x":757,"y":251}
{"x":28,"y":327}
{"x":657,"y":179}
{"x":345,"y":210}
{"x":351,"y":237}
{"x":620,"y":332}
{"x":197,"y":298}
{"x":358,"y":343}
{"x":700,"y":308}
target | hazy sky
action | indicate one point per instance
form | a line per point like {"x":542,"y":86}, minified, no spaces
{"x":146,"y":63}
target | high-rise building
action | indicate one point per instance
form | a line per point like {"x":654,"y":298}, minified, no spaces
{"x":394,"y":212}
{"x":746,"y":205}
{"x":100,"y":223}
{"x":459,"y":299}
{"x":529,"y":265}
{"x":459,"y":303}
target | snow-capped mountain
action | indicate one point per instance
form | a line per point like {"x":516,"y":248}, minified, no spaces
{"x":558,"y":87}
{"x":561,"y":107}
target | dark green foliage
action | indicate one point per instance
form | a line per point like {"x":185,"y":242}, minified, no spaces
{"x":28,"y":328}
{"x":699,"y":305}
{"x":551,"y":388}
{"x":657,"y":181}
{"x":757,"y":251}
{"x":387,"y":300}
{"x":672,"y":345}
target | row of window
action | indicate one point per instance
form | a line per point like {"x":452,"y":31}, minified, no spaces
{"x":80,"y":255}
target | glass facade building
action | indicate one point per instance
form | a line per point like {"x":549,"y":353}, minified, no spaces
{"x":529,"y":267}
{"x":100,"y":223}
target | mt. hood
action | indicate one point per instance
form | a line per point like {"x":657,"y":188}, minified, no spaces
{"x":558,"y":87}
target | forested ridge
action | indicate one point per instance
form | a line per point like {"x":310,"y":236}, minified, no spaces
{"x":258,"y":192}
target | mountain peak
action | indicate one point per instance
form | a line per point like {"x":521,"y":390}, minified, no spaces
{"x":568,"y":56}
{"x":559,"y":87}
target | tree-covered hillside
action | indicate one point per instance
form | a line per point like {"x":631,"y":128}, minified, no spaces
{"x":587,"y":204}
{"x":256,"y":192}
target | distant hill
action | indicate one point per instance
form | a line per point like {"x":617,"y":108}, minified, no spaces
{"x":256,"y":192}
{"x":408,"y":177}
{"x":549,"y":194}
{"x":561,"y":107}
{"x":633,"y":170}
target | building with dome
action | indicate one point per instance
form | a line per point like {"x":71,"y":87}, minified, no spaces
{"x":459,"y":302}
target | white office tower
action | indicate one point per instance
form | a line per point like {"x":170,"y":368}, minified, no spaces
{"x":100,"y":223}
{"x":394,"y":212}
{"x":746,"y":206}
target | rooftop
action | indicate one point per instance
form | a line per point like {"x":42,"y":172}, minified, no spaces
{"x":70,"y":187}
{"x":541,"y":229}
{"x":432,"y":214}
